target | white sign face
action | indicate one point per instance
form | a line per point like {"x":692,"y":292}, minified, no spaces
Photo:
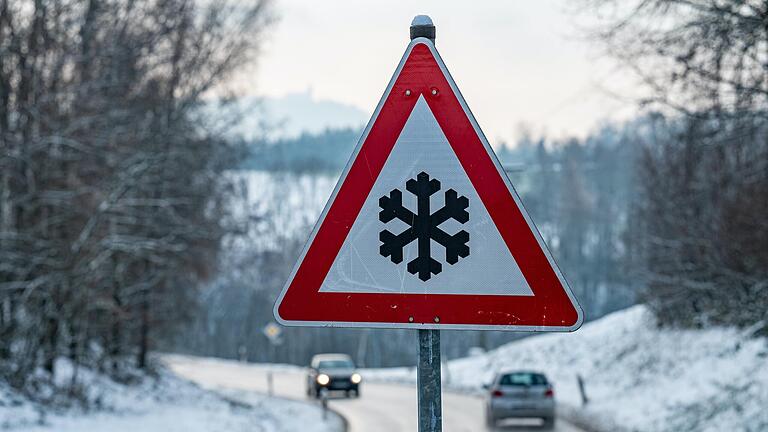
{"x":488,"y":268}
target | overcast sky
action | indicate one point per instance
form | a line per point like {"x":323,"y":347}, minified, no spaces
{"x":516,"y":62}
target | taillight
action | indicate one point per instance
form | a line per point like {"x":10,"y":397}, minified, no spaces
{"x":497,"y":393}
{"x":549,"y":393}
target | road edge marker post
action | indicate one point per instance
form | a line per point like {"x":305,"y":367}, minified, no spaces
{"x":428,"y":373}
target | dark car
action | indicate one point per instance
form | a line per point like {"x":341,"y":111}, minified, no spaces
{"x":332,"y":372}
{"x":520,"y":394}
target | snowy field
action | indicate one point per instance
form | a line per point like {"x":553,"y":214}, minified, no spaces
{"x":163,"y":404}
{"x":638,"y":378}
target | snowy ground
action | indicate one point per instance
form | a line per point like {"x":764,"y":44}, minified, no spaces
{"x":163,"y":404}
{"x":638,"y":378}
{"x":233,"y":380}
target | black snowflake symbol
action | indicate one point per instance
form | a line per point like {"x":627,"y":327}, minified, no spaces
{"x":424,"y":226}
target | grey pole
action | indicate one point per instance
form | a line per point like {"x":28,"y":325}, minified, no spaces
{"x":428,"y":382}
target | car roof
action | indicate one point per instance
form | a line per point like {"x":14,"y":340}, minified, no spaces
{"x":321,"y":357}
{"x":519,"y":371}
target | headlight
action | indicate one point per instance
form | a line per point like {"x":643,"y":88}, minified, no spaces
{"x":323,"y":379}
{"x":355,"y":378}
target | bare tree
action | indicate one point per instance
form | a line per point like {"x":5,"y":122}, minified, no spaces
{"x":113,"y":190}
{"x":705,"y":177}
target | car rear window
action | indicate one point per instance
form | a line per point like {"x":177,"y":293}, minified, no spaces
{"x":523,"y":379}
{"x":336,"y":364}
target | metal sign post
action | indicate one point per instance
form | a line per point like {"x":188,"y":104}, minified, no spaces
{"x":428,"y":371}
{"x":428,"y":382}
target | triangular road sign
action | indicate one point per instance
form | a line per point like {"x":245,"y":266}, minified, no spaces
{"x":424,"y":229}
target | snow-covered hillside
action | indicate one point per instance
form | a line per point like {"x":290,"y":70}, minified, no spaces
{"x":638,"y":377}
{"x":164,"y":403}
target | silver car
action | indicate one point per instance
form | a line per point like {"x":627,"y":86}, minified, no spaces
{"x":332,"y":372}
{"x":520,"y":394}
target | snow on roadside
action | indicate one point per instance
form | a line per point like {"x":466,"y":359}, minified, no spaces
{"x":164,"y":403}
{"x":638,"y":377}
{"x":203,"y":368}
{"x":237,"y":382}
{"x":293,"y":415}
{"x":14,"y":409}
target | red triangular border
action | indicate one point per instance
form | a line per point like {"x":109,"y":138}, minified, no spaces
{"x":552,"y":307}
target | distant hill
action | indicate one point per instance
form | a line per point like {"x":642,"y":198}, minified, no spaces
{"x":297,"y":113}
{"x":286,"y":116}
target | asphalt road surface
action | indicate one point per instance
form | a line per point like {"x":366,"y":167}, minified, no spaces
{"x":381,"y":407}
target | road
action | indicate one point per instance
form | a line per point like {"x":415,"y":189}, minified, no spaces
{"x":381,"y":407}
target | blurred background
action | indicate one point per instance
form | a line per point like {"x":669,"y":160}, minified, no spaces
{"x":162,"y":163}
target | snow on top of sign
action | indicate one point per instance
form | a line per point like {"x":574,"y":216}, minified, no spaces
{"x":421,"y":20}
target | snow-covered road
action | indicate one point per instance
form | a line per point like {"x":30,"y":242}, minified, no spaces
{"x":382,"y":407}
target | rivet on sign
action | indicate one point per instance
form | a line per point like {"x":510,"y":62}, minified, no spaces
{"x":408,"y":92}
{"x":410,"y":319}
{"x":437,"y":319}
{"x":434,"y":92}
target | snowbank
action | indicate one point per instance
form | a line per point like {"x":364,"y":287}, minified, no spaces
{"x":164,"y":403}
{"x":244,"y":383}
{"x":638,"y":377}
{"x":14,"y":409}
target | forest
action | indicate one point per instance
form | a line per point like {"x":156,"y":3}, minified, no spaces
{"x":112,"y":199}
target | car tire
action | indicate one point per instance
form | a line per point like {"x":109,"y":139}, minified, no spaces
{"x":549,"y":423}
{"x":490,"y":422}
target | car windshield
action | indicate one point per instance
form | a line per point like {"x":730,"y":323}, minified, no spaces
{"x":335,"y":364}
{"x":523,"y":379}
